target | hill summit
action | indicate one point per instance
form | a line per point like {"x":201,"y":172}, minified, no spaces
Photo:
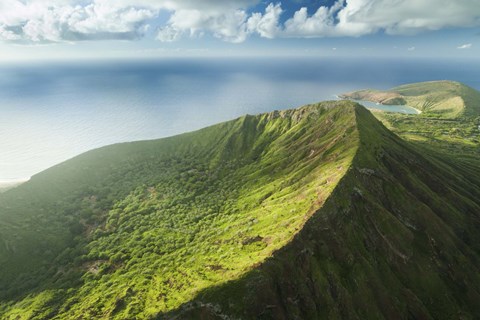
{"x":315,"y":212}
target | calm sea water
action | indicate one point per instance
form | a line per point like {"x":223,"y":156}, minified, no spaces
{"x":49,"y":113}
{"x":389,"y":108}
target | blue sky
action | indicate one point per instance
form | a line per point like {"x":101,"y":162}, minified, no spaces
{"x":75,"y":29}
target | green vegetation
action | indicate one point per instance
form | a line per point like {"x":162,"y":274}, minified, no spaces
{"x":383,"y":97}
{"x":398,"y":238}
{"x":319,"y":212}
{"x":454,"y":134}
{"x":458,"y":137}
{"x":444,"y":99}
{"x":131,"y":230}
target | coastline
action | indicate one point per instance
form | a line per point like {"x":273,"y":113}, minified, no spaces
{"x":8,"y":184}
{"x":380,"y":104}
{"x":418,"y":111}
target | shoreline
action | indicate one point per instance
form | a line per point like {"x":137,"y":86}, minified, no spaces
{"x":419,"y":111}
{"x":381,"y":104}
{"x":7,"y":184}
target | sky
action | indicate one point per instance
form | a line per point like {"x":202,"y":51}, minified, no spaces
{"x":89,"y":29}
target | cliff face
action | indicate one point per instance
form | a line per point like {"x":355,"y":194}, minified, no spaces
{"x":397,"y":239}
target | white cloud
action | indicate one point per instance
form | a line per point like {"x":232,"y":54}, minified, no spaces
{"x":228,"y":25}
{"x":72,"y":20}
{"x":361,"y":17}
{"x":8,"y":34}
{"x":321,"y":23}
{"x":266,"y":25}
{"x":169,"y":34}
{"x":233,"y":25}
{"x":229,"y":20}
{"x":61,"y":20}
{"x":465,"y":46}
{"x":411,"y":49}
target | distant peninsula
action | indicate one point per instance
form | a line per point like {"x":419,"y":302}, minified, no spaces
{"x":447,"y":99}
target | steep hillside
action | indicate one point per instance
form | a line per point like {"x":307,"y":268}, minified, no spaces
{"x":135,"y":229}
{"x":440,"y":98}
{"x":313,"y":213}
{"x":397,"y":239}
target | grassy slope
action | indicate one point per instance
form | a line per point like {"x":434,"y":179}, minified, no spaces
{"x":134,"y":229}
{"x":447,"y":99}
{"x":397,"y":239}
{"x":383,"y":97}
{"x":456,"y":138}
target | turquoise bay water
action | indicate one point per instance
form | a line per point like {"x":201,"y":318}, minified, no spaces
{"x":389,"y":108}
{"x":49,"y":113}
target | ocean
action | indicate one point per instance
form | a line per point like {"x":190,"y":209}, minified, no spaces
{"x":51,"y":112}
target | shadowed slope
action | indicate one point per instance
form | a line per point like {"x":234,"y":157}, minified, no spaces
{"x":397,"y":239}
{"x":317,"y":212}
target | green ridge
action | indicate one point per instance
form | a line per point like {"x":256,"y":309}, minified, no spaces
{"x":135,"y":229}
{"x":397,"y":239}
{"x":313,"y":213}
